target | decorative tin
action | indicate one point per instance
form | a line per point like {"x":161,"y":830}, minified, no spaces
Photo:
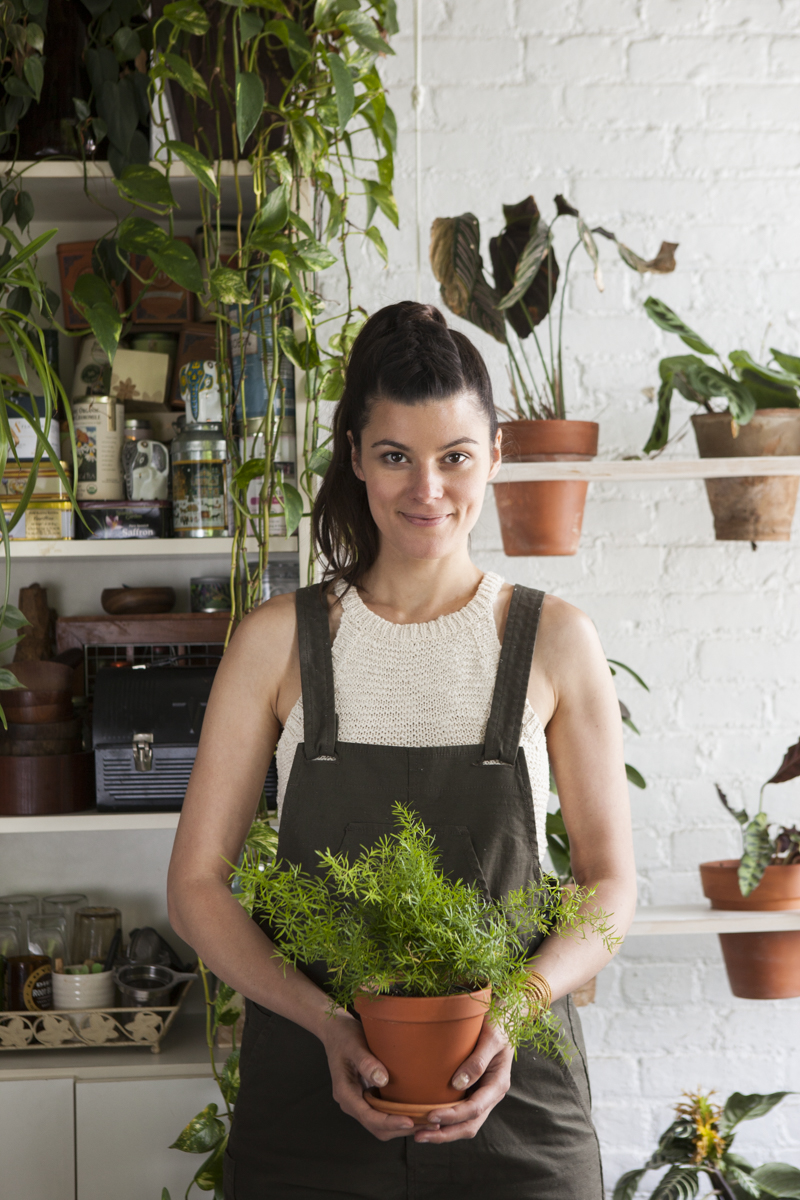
{"x":163,"y":302}
{"x":140,"y":378}
{"x":48,"y":485}
{"x":43,"y":520}
{"x":199,"y":491}
{"x":199,"y":383}
{"x":99,"y":432}
{"x":92,"y":375}
{"x":109,"y":520}
{"x":210,"y":593}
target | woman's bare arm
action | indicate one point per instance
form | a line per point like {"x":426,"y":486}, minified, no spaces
{"x":584,"y":741}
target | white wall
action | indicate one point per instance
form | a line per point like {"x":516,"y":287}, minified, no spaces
{"x":673,"y":119}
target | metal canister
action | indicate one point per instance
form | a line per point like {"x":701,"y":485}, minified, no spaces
{"x":199,"y":488}
{"x":252,"y":445}
{"x":99,"y":433}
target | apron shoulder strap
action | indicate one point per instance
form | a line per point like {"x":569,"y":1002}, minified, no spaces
{"x":513,"y":672}
{"x":316,"y":672}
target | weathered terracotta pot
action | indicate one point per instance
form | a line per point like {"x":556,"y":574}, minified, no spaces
{"x":760,"y":966}
{"x":753,"y":508}
{"x":422,"y":1041}
{"x":544,"y":518}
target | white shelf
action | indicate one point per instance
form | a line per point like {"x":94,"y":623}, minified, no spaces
{"x":701,"y":918}
{"x":648,"y":470}
{"x":89,"y":822}
{"x":68,"y":201}
{"x":108,"y":548}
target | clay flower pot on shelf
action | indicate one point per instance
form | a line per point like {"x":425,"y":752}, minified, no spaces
{"x":760,"y":966}
{"x":421,"y":1040}
{"x":544,"y":518}
{"x":753,"y":508}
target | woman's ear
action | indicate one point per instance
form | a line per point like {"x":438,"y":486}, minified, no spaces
{"x":355,"y":457}
{"x":496,"y":454}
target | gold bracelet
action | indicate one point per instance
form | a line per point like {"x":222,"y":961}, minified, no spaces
{"x":538,"y":985}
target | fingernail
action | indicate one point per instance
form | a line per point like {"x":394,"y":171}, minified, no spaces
{"x":461,"y":1082}
{"x":379,"y":1078}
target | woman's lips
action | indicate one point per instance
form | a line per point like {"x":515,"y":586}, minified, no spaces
{"x":425,"y":522}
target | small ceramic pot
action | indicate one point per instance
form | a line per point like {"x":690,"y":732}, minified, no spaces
{"x":83,"y":991}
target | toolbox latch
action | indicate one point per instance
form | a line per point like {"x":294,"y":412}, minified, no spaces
{"x":143,"y":751}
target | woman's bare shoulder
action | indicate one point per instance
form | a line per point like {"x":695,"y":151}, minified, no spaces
{"x":265,"y":638}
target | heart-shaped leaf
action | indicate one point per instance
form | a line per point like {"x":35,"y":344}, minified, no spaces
{"x":343,"y":88}
{"x":249,"y":104}
{"x":229,"y":1084}
{"x":8,"y":680}
{"x":106,"y":325}
{"x":229,"y":286}
{"x":190,"y":80}
{"x":274,"y":212}
{"x":140,"y":236}
{"x":188,"y":16}
{"x":179,"y":261}
{"x":198,"y":164}
{"x":293,"y":507}
{"x":203,"y":1133}
{"x":34,"y":74}
{"x":13,"y":618}
{"x":91,"y":289}
{"x":145,"y":184}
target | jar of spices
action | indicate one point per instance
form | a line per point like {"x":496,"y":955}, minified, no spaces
{"x":199,"y":483}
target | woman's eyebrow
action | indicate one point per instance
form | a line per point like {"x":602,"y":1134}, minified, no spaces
{"x":406,"y":449}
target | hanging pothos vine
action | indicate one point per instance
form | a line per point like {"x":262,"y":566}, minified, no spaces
{"x":291,"y":92}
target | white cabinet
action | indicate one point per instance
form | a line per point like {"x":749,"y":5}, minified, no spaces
{"x":37,"y":1140}
{"x":123,"y":1132}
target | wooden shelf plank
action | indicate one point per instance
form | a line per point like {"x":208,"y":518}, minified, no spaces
{"x":701,"y":918}
{"x":109,"y":548}
{"x":649,"y":471}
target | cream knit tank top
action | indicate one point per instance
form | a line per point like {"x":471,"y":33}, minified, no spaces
{"x":420,"y":685}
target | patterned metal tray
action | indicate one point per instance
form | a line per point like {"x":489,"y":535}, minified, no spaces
{"x":89,"y":1028}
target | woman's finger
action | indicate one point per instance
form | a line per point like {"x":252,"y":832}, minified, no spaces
{"x":489,"y":1044}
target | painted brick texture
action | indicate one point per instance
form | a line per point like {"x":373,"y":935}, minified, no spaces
{"x":673,"y":119}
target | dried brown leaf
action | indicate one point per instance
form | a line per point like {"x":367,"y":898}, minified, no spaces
{"x":457,"y":264}
{"x":506,"y":251}
{"x":790,"y":767}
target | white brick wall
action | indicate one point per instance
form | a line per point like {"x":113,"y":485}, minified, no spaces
{"x":676,"y":119}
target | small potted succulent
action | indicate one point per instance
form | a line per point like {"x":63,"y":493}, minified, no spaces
{"x":699,"y":1143}
{"x":539,"y":517}
{"x":422,"y":958}
{"x":760,"y":415}
{"x":764,"y":965}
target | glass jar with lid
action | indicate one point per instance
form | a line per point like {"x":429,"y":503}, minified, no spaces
{"x":199,"y":481}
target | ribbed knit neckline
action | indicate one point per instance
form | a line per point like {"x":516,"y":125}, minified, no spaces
{"x":355,"y":611}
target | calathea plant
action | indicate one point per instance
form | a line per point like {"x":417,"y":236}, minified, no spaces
{"x":745,"y":386}
{"x":526,"y":276}
{"x":556,"y":830}
{"x":761,"y":849}
{"x":391,"y":922}
{"x":699,"y":1143}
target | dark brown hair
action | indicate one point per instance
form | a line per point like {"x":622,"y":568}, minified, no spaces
{"x":407,"y":354}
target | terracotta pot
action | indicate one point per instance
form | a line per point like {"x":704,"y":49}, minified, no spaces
{"x":544,"y":518}
{"x":753,"y":508}
{"x":44,"y":784}
{"x":760,"y":966}
{"x":422,"y":1041}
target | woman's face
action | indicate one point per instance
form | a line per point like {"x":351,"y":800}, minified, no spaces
{"x":426,"y":467}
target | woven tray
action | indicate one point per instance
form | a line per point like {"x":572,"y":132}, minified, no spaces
{"x":89,"y":1028}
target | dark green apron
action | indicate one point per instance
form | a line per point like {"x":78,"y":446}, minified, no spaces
{"x":290,"y":1140}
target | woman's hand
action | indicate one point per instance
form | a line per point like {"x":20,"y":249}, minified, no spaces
{"x":489,"y":1066}
{"x":354,"y":1069}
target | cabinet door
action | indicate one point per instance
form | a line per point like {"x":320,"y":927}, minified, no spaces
{"x":124,"y":1131}
{"x":37,"y":1131}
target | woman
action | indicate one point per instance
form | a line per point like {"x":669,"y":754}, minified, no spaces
{"x":388,"y":685}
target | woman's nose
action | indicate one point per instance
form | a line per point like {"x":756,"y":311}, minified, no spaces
{"x":427,"y":484}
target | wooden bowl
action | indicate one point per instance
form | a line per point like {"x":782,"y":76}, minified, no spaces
{"x":43,"y":676}
{"x":125,"y":601}
{"x":46,"y":783}
{"x":35,"y":708}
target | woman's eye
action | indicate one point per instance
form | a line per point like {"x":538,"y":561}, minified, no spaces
{"x":395,"y":456}
{"x":456,"y":457}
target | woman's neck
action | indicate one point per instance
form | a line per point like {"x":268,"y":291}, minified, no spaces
{"x":412,"y":591}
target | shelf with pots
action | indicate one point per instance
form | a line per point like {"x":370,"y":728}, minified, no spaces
{"x":649,"y":470}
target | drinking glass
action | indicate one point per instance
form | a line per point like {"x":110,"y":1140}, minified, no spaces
{"x":18,"y":908}
{"x":47,"y":934}
{"x":94,"y":931}
{"x":9,"y":939}
{"x":65,"y":905}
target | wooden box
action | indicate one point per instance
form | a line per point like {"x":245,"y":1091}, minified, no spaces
{"x":74,"y":260}
{"x":164,"y":302}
